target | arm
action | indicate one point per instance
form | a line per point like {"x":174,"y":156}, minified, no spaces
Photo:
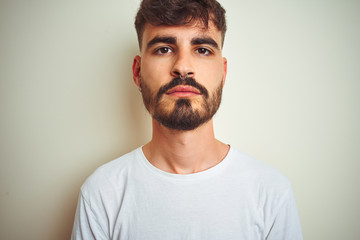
{"x":86,"y":225}
{"x":286,"y":223}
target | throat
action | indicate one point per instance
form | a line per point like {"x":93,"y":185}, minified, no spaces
{"x":184,"y":152}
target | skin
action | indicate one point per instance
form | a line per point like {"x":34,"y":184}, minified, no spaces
{"x":191,"y":50}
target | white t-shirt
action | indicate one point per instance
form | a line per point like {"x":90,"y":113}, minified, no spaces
{"x":239,"y":199}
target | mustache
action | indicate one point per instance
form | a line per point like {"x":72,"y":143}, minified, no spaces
{"x":179,"y":81}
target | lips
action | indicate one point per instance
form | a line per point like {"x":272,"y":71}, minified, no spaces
{"x":183,"y":91}
{"x":182,"y":88}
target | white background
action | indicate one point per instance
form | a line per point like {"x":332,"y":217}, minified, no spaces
{"x":68,"y":104}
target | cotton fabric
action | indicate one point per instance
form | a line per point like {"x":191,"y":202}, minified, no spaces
{"x":241,"y":198}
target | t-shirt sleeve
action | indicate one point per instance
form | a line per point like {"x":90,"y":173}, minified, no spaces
{"x":286,"y":224}
{"x":86,"y":225}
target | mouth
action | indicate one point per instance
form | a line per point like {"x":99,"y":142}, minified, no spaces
{"x":183,"y":91}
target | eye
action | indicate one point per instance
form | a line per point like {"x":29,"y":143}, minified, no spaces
{"x":204,"y":51}
{"x":163,"y":50}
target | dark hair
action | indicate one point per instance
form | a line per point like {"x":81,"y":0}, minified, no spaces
{"x":179,"y":12}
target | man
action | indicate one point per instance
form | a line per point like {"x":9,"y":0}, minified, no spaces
{"x":184,"y":183}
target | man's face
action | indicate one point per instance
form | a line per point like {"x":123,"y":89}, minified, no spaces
{"x":181,"y":72}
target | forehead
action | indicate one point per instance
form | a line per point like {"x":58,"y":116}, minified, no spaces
{"x":185,"y":32}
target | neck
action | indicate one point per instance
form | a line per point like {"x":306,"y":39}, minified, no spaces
{"x":184,"y":152}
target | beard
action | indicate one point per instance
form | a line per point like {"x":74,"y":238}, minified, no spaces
{"x":182,"y":114}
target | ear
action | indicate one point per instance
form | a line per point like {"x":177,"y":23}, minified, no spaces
{"x":136,"y":70}
{"x":225,"y":70}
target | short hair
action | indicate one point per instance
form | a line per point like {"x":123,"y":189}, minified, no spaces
{"x":179,"y":12}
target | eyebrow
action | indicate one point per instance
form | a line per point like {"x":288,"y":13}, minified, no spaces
{"x":155,"y":40}
{"x":173,"y":40}
{"x":204,"y":40}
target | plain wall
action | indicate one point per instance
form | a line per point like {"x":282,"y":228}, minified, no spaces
{"x":68,"y":104}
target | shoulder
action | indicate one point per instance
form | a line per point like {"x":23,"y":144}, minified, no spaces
{"x":271,"y":188}
{"x":273,"y":193}
{"x":260,"y":173}
{"x":111,"y":174}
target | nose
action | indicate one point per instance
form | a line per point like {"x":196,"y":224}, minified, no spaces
{"x":183,"y":66}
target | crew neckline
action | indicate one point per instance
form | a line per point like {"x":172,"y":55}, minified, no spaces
{"x":191,"y":176}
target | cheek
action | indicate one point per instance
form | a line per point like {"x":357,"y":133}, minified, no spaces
{"x":210,"y":76}
{"x":217,"y":68}
{"x":154,"y":73}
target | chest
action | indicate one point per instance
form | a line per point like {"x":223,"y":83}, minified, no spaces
{"x":206,"y":210}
